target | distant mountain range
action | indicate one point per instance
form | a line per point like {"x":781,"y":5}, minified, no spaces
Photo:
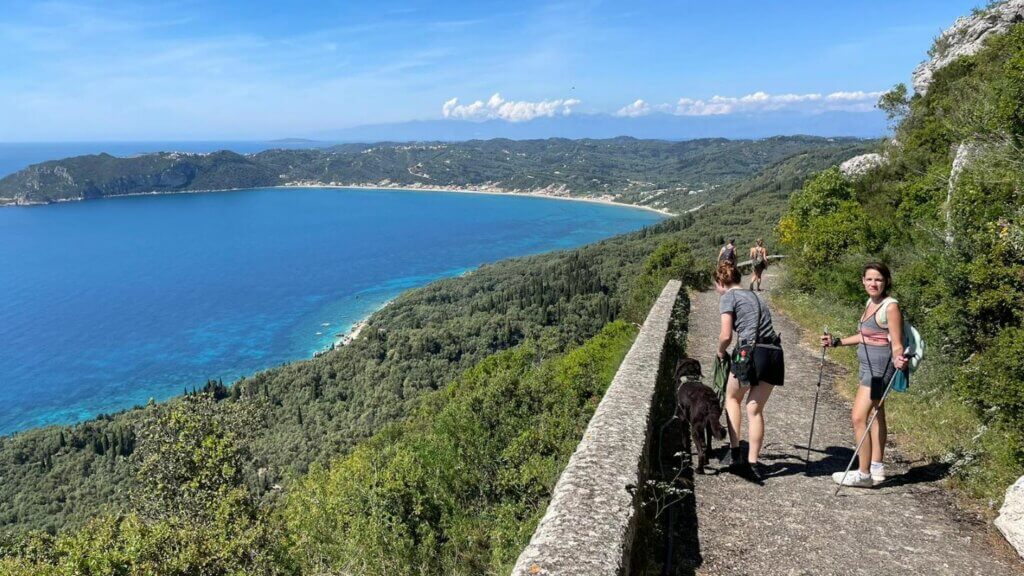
{"x":666,"y":175}
{"x":870,"y":124}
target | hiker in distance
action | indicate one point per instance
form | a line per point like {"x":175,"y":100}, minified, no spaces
{"x":879,"y":341}
{"x":728,"y":252}
{"x":759,"y":256}
{"x":756,"y":367}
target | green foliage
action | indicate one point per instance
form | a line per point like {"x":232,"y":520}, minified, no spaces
{"x":895,"y":103}
{"x":194,"y":513}
{"x":189,"y":458}
{"x":950,"y":239}
{"x":822,"y":227}
{"x":671,"y":260}
{"x":821,"y":196}
{"x":993,"y":380}
{"x":459,"y":487}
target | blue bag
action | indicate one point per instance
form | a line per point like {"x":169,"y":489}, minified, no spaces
{"x":900,"y":381}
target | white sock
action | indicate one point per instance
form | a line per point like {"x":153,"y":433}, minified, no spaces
{"x":877,"y":466}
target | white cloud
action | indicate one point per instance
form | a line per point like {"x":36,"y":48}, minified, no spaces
{"x":858,"y":101}
{"x":858,"y":96}
{"x":497,"y":107}
{"x":635,"y":110}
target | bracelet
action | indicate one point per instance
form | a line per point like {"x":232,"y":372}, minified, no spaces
{"x":837,"y":341}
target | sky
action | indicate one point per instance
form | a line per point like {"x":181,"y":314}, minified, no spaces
{"x":182,"y":70}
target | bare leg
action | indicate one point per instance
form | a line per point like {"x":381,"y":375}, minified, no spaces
{"x":879,"y":434}
{"x":862,"y":405}
{"x":756,"y":400}
{"x":733,"y":397}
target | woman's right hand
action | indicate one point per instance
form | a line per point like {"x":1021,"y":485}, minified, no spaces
{"x":826,"y":340}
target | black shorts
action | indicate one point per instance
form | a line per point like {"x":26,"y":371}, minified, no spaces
{"x":769,"y":366}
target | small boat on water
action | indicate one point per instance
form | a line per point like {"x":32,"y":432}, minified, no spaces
{"x":319,"y":333}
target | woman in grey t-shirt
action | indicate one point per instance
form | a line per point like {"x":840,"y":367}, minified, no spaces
{"x":746,"y":316}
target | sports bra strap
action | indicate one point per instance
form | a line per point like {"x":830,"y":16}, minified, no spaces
{"x":881,"y":317}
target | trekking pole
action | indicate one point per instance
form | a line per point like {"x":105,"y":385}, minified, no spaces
{"x":867,"y":430}
{"x":814,"y":412}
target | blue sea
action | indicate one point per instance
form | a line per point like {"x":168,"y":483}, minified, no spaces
{"x":107,"y":303}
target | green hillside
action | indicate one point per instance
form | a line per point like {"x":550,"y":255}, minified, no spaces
{"x":657,"y":173}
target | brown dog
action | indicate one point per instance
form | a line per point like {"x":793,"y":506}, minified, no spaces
{"x":697,"y":405}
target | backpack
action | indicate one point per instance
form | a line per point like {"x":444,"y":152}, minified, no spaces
{"x":912,"y":339}
{"x":759,"y":258}
{"x":729,"y":255}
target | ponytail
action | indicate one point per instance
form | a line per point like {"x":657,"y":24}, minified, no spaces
{"x":726,"y":274}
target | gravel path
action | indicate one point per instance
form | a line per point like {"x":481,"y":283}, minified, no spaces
{"x":793,"y":525}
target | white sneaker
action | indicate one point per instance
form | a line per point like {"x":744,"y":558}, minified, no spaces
{"x":854,"y":478}
{"x":878,"y":475}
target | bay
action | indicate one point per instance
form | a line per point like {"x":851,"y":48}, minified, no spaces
{"x":105,"y":304}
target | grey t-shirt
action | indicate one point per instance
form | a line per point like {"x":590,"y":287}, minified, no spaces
{"x":743,"y":305}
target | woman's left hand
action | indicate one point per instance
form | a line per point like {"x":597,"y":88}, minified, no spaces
{"x":900,"y":362}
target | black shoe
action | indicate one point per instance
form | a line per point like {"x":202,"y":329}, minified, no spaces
{"x":750,"y":471}
{"x":731,"y":458}
{"x":755,"y":472}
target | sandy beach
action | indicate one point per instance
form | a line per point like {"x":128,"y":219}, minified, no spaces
{"x":554,"y":194}
{"x":487,"y":190}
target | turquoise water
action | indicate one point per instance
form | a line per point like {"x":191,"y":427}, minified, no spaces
{"x":105,"y":304}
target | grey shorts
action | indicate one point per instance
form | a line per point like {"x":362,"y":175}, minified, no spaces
{"x":876,"y":368}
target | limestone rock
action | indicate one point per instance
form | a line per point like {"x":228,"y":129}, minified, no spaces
{"x":1011,"y":516}
{"x":860,"y":165}
{"x":967,"y":36}
{"x":965,"y":152}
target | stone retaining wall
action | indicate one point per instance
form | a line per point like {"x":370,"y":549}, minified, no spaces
{"x":591,"y":520}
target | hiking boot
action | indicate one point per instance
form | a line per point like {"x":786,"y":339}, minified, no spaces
{"x":854,"y":479}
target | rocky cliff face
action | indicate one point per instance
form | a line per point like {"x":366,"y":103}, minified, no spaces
{"x":967,"y":36}
{"x":860,"y":165}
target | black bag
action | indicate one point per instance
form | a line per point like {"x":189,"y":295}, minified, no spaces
{"x":742,"y":365}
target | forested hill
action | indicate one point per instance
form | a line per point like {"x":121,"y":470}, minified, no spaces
{"x":657,"y":173}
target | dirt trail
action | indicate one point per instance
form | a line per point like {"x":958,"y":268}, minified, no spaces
{"x":793,"y":525}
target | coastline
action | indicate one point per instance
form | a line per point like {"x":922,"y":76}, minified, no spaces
{"x":485,"y":189}
{"x":356,"y":329}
